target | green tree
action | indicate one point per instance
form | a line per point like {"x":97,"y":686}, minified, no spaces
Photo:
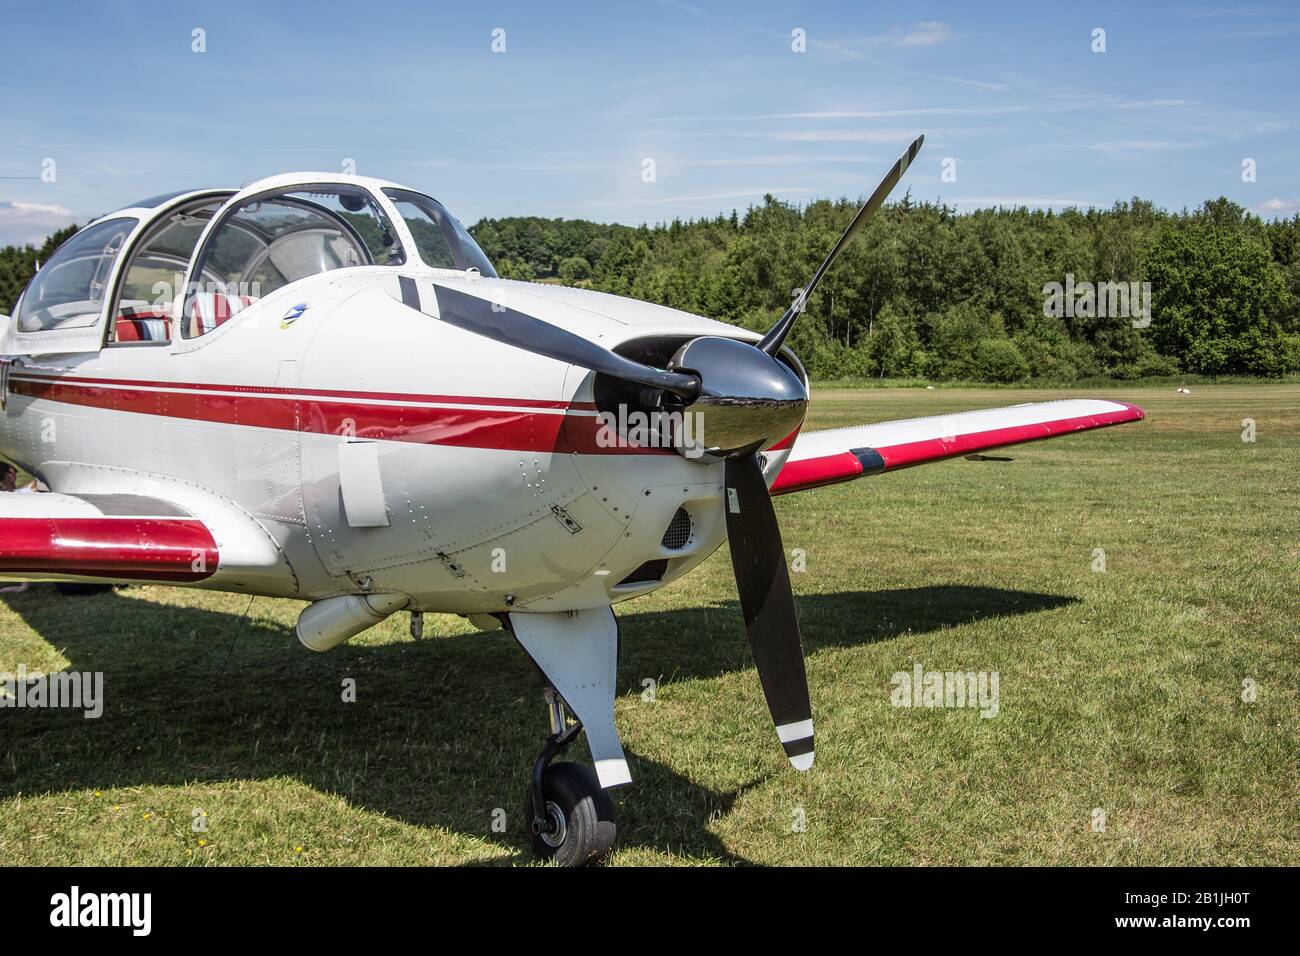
{"x":18,"y":265}
{"x":892,"y":345}
{"x":1217,"y":300}
{"x":999,"y":360}
{"x":574,"y":270}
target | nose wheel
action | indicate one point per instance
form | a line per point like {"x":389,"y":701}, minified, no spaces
{"x":571,"y":819}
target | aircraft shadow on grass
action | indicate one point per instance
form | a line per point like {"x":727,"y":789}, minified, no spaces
{"x":442,"y":731}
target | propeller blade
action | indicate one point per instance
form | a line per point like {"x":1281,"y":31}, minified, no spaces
{"x":775,"y":337}
{"x":511,"y":327}
{"x":768,"y":605}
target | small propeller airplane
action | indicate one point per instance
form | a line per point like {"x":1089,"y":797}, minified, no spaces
{"x":317,"y":387}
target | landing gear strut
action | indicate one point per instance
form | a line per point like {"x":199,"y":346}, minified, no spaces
{"x":568,"y":811}
{"x":570,"y":816}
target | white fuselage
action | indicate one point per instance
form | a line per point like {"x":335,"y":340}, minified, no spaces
{"x":366,"y":446}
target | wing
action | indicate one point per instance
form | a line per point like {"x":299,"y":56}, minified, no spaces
{"x":48,"y":536}
{"x":842,"y":454}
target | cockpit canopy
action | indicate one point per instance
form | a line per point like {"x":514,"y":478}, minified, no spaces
{"x":280,"y":235}
{"x":102,"y":285}
{"x":68,"y":291}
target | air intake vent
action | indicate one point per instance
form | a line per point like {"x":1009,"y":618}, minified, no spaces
{"x":679,"y":531}
{"x":649,"y":572}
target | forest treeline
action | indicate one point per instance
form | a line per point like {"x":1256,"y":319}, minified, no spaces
{"x":927,"y":292}
{"x":18,"y":265}
{"x":994,"y":295}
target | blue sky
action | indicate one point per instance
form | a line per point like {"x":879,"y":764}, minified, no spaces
{"x":560,"y":124}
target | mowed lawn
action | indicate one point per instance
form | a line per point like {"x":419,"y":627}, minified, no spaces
{"x":1120,"y":691}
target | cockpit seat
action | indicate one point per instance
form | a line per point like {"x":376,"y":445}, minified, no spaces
{"x":142,"y":325}
{"x":211,"y":309}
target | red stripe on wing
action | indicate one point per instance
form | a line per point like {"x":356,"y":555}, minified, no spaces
{"x":937,"y":449}
{"x":816,"y":472}
{"x":808,"y":473}
{"x":154,"y":549}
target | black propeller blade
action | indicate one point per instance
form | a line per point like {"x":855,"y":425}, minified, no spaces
{"x":775,"y":337}
{"x":768,"y":605}
{"x":734,"y":391}
{"x":757,"y":553}
{"x":505,"y":325}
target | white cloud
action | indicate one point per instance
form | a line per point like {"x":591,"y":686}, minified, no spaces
{"x":1121,"y":146}
{"x":785,"y":159}
{"x":927,"y":33}
{"x":885,"y":136}
{"x":1032,"y":201}
{"x":886,"y":114}
{"x":755,"y":193}
{"x":1276,"y":205}
{"x":24,"y":222}
{"x":1148,"y":104}
{"x":34,"y":208}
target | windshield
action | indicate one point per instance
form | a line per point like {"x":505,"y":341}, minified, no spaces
{"x":68,"y":292}
{"x":440,"y":239}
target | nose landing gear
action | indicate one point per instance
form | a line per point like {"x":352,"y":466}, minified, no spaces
{"x":576,"y":652}
{"x":570,"y":816}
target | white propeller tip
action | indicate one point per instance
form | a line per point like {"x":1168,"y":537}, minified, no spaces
{"x":802,"y":762}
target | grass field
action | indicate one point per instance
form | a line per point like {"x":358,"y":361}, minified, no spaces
{"x":1120,"y":690}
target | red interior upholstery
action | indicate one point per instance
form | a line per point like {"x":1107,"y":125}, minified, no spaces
{"x":222,"y":308}
{"x":137,"y":326}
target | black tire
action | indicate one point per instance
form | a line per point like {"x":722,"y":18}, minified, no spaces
{"x":573,"y":795}
{"x":65,"y":587}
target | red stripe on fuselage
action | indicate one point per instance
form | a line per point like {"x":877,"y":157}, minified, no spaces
{"x":375,"y":415}
{"x":278,"y":391}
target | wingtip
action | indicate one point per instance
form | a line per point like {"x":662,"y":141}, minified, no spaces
{"x":802,"y":762}
{"x":1120,"y":412}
